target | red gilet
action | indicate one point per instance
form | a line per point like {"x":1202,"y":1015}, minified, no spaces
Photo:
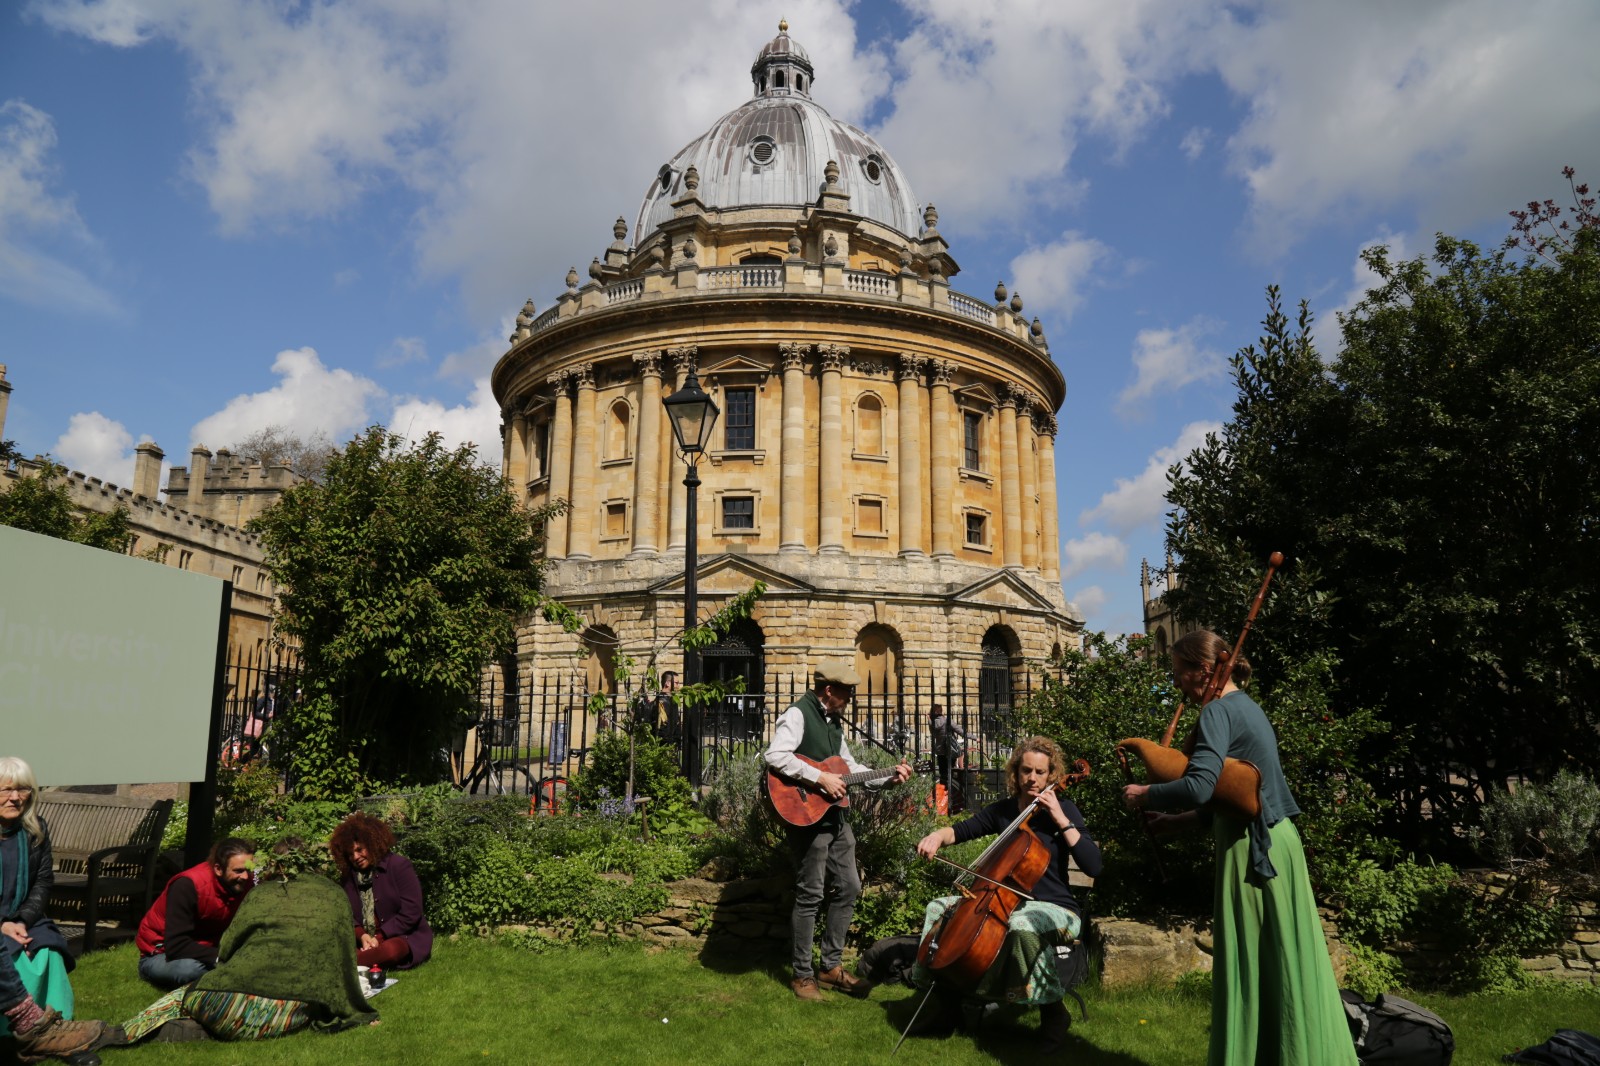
{"x":215,"y":910}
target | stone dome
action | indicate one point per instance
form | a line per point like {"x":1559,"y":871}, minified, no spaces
{"x":772,"y":151}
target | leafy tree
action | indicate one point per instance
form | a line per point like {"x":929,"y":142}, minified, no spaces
{"x":42,"y":503}
{"x":1437,"y":489}
{"x":401,"y":575}
{"x":306,"y":456}
{"x":8,"y":452}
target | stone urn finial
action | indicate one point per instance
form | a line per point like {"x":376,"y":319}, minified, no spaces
{"x":594,"y":269}
{"x":830,"y":173}
{"x":689,"y":249}
{"x":572,"y":278}
{"x":1037,"y":329}
{"x":795,"y":245}
{"x":999,"y":292}
{"x":691,"y":178}
{"x":930,"y":217}
{"x":529,"y":308}
{"x":1016,"y":302}
{"x":619,"y":228}
{"x":830,"y":247}
{"x":905,"y":260}
{"x":936,"y":267}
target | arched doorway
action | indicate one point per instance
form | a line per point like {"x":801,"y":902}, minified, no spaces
{"x":599,"y":665}
{"x":739,"y":655}
{"x":878,"y":665}
{"x":995,"y":697}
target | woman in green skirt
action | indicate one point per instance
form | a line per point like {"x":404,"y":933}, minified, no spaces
{"x":1273,"y":996}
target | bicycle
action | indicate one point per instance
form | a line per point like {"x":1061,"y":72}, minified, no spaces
{"x":490,"y":772}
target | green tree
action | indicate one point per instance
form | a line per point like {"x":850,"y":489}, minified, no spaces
{"x":1437,"y":488}
{"x":42,"y":503}
{"x":400,"y":575}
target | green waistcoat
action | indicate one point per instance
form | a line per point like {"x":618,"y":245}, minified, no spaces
{"x":822,"y":735}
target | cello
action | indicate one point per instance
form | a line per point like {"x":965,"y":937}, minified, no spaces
{"x":967,"y":939}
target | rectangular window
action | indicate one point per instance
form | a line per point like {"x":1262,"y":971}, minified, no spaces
{"x":869,"y":516}
{"x":616,"y":520}
{"x":185,"y":557}
{"x":738,"y":512}
{"x":975,"y":524}
{"x":541,"y":449}
{"x":972,"y":424}
{"x":739,"y":427}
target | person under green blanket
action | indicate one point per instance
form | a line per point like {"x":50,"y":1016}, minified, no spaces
{"x":287,"y":962}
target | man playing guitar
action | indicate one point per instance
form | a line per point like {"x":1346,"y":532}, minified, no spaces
{"x":811,"y":728}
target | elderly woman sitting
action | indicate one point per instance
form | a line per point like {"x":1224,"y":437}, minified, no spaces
{"x":287,"y":962}
{"x":27,"y":873}
{"x":385,"y":895}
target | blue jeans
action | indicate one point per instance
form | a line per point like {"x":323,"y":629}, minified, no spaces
{"x":11,"y":990}
{"x":168,"y":974}
{"x":827,"y":849}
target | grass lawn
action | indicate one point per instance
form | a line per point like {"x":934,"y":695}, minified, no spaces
{"x":481,"y":1001}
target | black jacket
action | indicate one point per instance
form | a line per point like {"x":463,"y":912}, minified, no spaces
{"x":42,"y":872}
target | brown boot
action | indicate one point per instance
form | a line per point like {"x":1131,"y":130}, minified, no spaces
{"x":53,"y":1037}
{"x":840,"y":981}
{"x":806,"y":988}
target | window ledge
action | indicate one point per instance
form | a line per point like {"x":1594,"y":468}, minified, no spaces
{"x":869,"y":457}
{"x":873,"y":536}
{"x":984,"y":548}
{"x":539,"y":483}
{"x":616,"y":462}
{"x":968,"y":474}
{"x":741,"y":531}
{"x":758,"y":456}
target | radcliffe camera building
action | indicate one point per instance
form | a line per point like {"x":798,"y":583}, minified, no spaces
{"x":885,"y":456}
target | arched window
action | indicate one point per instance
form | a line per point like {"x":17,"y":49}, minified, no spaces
{"x":600,"y":664}
{"x":618,"y":440}
{"x":877,"y":663}
{"x":869,"y":425}
{"x":800,"y":82}
{"x":777,"y":79}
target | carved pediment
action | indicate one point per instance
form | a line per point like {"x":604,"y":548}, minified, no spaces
{"x":977,"y":395}
{"x":732,"y":574}
{"x":1004,"y":589}
{"x":736,"y":367}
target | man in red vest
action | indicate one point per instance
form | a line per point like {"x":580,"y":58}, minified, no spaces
{"x":179,"y":935}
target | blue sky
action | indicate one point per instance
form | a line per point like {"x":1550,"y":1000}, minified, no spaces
{"x":217,"y":215}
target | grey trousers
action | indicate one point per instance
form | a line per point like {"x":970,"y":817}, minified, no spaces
{"x":824,"y":850}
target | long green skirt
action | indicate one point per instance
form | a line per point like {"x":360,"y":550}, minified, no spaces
{"x":1273,"y":996}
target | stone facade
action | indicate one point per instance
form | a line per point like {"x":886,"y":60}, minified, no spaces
{"x":1161,"y":624}
{"x":885,"y":455}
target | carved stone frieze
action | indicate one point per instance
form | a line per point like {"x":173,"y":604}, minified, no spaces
{"x":943,"y":371}
{"x":793,"y":354}
{"x":833,"y":356}
{"x":649,"y":363}
{"x":911,"y":366}
{"x":583,"y":375}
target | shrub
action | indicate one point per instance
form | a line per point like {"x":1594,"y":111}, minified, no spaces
{"x":1372,"y":971}
{"x":655,"y":770}
{"x":1558,"y":823}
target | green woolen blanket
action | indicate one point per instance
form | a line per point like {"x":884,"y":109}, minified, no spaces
{"x":294,"y":940}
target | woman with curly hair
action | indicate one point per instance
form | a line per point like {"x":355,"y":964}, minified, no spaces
{"x":385,"y":895}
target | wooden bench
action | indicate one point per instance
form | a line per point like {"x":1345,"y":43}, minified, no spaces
{"x":105,"y":855}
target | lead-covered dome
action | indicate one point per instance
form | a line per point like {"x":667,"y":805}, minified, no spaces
{"x":772,"y":151}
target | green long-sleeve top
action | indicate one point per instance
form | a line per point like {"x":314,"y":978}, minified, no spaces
{"x":1233,"y":727}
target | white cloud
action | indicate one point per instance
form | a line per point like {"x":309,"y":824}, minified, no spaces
{"x":1052,"y":278}
{"x":401,"y":351}
{"x":1361,"y":279}
{"x":1194,"y":142}
{"x":477,"y":360}
{"x":1093,"y":550}
{"x":1441,"y":106}
{"x":98,"y":446}
{"x":121,"y":23}
{"x":310,"y":397}
{"x":34,"y":216}
{"x":1090,"y":600}
{"x":1166,"y":360}
{"x":1141,"y":500}
{"x":476,"y":422}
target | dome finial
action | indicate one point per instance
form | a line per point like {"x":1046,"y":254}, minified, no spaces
{"x":783,"y":25}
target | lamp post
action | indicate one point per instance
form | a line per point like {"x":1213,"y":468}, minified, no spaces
{"x":692,"y":414}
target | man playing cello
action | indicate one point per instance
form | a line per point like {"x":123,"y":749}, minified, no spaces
{"x":1024,"y":969}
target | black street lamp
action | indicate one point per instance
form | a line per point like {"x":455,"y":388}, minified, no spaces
{"x":692,"y":414}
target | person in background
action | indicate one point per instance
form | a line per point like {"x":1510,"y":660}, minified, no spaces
{"x":179,"y":934}
{"x":384,"y":893}
{"x":1273,"y":993}
{"x":261,"y":715}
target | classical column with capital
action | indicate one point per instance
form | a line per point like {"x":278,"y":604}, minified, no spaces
{"x":677,"y":522}
{"x":561,"y":463}
{"x":912,"y":460}
{"x":943,"y":473}
{"x":1028,"y":469}
{"x":1010,"y":477}
{"x":517,"y":453}
{"x":647,"y":463}
{"x":792,"y":512}
{"x":830,"y":451}
{"x":1050,"y":565}
{"x":580,"y":522}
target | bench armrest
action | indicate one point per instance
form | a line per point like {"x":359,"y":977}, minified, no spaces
{"x":122,"y":853}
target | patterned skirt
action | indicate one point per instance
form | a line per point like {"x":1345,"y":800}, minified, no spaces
{"x":1024,"y":972}
{"x":225,"y":1015}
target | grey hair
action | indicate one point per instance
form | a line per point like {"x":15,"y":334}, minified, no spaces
{"x":15,"y":773}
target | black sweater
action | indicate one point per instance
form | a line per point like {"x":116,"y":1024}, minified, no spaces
{"x":1052,"y":886}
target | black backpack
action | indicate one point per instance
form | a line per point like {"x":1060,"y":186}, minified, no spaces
{"x":1569,"y":1047}
{"x":1391,"y":1031}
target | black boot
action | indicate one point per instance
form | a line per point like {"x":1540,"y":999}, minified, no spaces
{"x":1055,"y":1022}
{"x":940,"y":1015}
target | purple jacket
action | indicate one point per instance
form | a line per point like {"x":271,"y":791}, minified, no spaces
{"x":397,"y":901}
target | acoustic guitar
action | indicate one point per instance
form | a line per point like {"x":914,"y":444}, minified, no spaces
{"x":801,"y":804}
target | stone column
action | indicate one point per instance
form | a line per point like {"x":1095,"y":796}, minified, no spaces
{"x":830,"y":451}
{"x":1050,"y":564}
{"x":1010,"y":477}
{"x":580,"y":523}
{"x":677,"y":524}
{"x":517,"y":454}
{"x":647,"y":462}
{"x":912,"y":460}
{"x":793,"y":519}
{"x":560,"y":463}
{"x":1028,"y":482}
{"x":943,"y":474}
{"x":199,"y":462}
